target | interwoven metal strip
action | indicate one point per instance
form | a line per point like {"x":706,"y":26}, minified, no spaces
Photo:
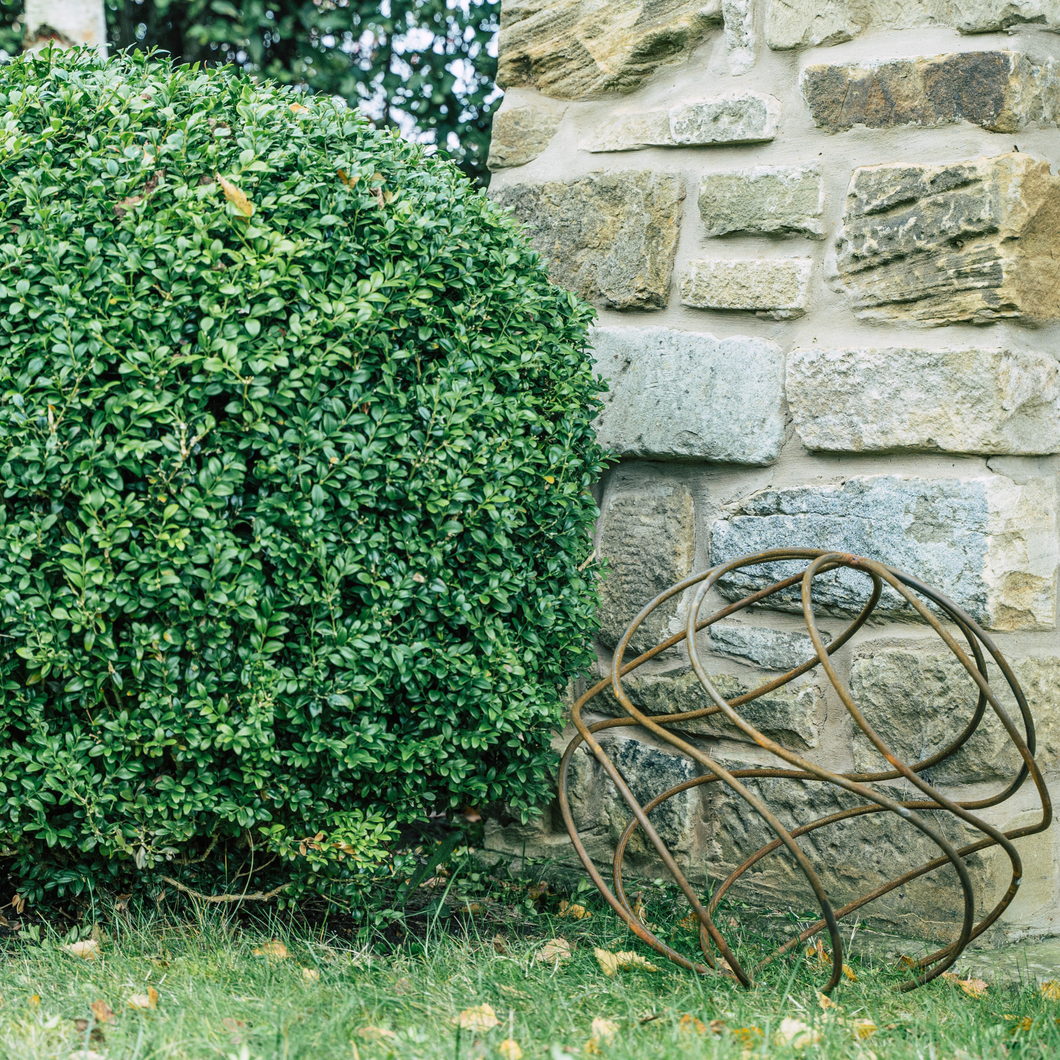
{"x":949,"y":622}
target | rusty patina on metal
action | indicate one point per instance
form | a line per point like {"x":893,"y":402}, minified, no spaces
{"x":951,"y":624}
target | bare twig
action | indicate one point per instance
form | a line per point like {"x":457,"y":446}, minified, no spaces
{"x":224,"y":899}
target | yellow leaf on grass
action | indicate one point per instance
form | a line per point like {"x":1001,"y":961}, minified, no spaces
{"x":274,"y":949}
{"x":557,"y":949}
{"x":1050,"y":990}
{"x":478,"y":1018}
{"x":509,"y":1049}
{"x":796,"y":1034}
{"x":592,"y":1047}
{"x":825,"y":1001}
{"x":102,"y":1011}
{"x":310,"y":975}
{"x":689,"y":923}
{"x":375,"y":1034}
{"x":33,"y":1001}
{"x":972,"y":987}
{"x":863,"y":1029}
{"x":87,"y":949}
{"x":145,"y":1001}
{"x":235,"y":196}
{"x":747,"y":1036}
{"x":849,"y":973}
{"x":688,"y":1024}
{"x":817,"y":955}
{"x":578,"y":912}
{"x":604,"y":1029}
{"x":624,"y":961}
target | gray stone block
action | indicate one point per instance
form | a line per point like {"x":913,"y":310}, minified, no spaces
{"x":630,"y":132}
{"x":648,"y":537}
{"x":764,"y":199}
{"x":987,"y":542}
{"x":937,"y":245}
{"x":735,"y":118}
{"x":959,"y":401}
{"x":680,"y":394}
{"x":774,"y":288}
{"x":920,"y":698}
{"x":520,"y":134}
{"x":989,"y":16}
{"x":608,"y":235}
{"x":772,"y":649}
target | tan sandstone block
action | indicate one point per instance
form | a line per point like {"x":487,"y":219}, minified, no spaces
{"x":986,"y":401}
{"x":519,"y":134}
{"x":775,"y":288}
{"x":577,"y":49}
{"x":974,"y":241}
{"x":608,"y":235}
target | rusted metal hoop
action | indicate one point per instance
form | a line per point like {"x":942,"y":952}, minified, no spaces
{"x":973,"y":659}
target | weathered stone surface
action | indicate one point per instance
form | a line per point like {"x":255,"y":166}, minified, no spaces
{"x":680,"y":394}
{"x":630,"y":132}
{"x":772,"y":649}
{"x":608,"y":235}
{"x":957,"y":401}
{"x":648,"y":537}
{"x":851,"y":858}
{"x":597,"y":807}
{"x":776,"y":288}
{"x":987,"y":542}
{"x":576,"y":49}
{"x":1000,"y":91}
{"x":936,"y":245}
{"x":919,"y":699}
{"x":805,"y":23}
{"x":735,"y":118}
{"x":739,"y":34}
{"x":791,"y":715}
{"x":520,"y":134}
{"x":986,"y":16}
{"x":763,"y":199}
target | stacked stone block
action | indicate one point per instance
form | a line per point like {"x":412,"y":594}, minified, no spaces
{"x":823,"y":238}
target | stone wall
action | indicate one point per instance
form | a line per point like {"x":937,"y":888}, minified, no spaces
{"x":823,"y":237}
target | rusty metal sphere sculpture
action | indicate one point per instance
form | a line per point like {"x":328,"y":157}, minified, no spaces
{"x":933,"y":608}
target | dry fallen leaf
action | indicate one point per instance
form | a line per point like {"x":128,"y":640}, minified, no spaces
{"x":509,"y":1049}
{"x":1022,"y":1025}
{"x":817,"y":955}
{"x":102,"y":1011}
{"x":275,"y":949}
{"x":557,"y":949}
{"x":478,"y":1018}
{"x":903,"y":961}
{"x":235,"y":196}
{"x":500,"y":945}
{"x":604,"y":1029}
{"x":849,"y":973}
{"x":972,"y":987}
{"x":95,"y":1036}
{"x":863,"y":1029}
{"x":310,"y":975}
{"x":796,"y":1034}
{"x":717,"y":1027}
{"x":689,"y":1024}
{"x":689,"y":923}
{"x":624,"y":961}
{"x":747,"y":1036}
{"x":33,"y":1001}
{"x":578,"y":912}
{"x":375,"y":1034}
{"x":472,"y":909}
{"x":145,"y":1001}
{"x":825,"y":1001}
{"x":87,"y":949}
{"x":1050,"y":990}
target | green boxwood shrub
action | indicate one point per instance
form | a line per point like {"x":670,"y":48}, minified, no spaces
{"x":296,"y":453}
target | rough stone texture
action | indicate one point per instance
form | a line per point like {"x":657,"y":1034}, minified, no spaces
{"x":764,"y":199}
{"x":919,"y":699}
{"x":988,"y":543}
{"x":851,"y":857}
{"x":597,"y":807}
{"x":679,"y":394}
{"x":805,"y":23}
{"x":774,"y":288}
{"x":1000,"y":91}
{"x":521,"y":133}
{"x":937,"y":245}
{"x":735,"y":118}
{"x":630,"y":132}
{"x":608,"y":235}
{"x":957,"y":401}
{"x":739,"y":34}
{"x":791,"y":715}
{"x":772,"y":649}
{"x":577,"y":49}
{"x":648,"y":538}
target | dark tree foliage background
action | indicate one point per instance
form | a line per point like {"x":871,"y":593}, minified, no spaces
{"x":421,"y":65}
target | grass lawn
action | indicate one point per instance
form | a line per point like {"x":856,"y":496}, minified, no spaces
{"x":235,"y":990}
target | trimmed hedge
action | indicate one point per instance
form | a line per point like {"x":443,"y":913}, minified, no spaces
{"x":296,"y":463}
